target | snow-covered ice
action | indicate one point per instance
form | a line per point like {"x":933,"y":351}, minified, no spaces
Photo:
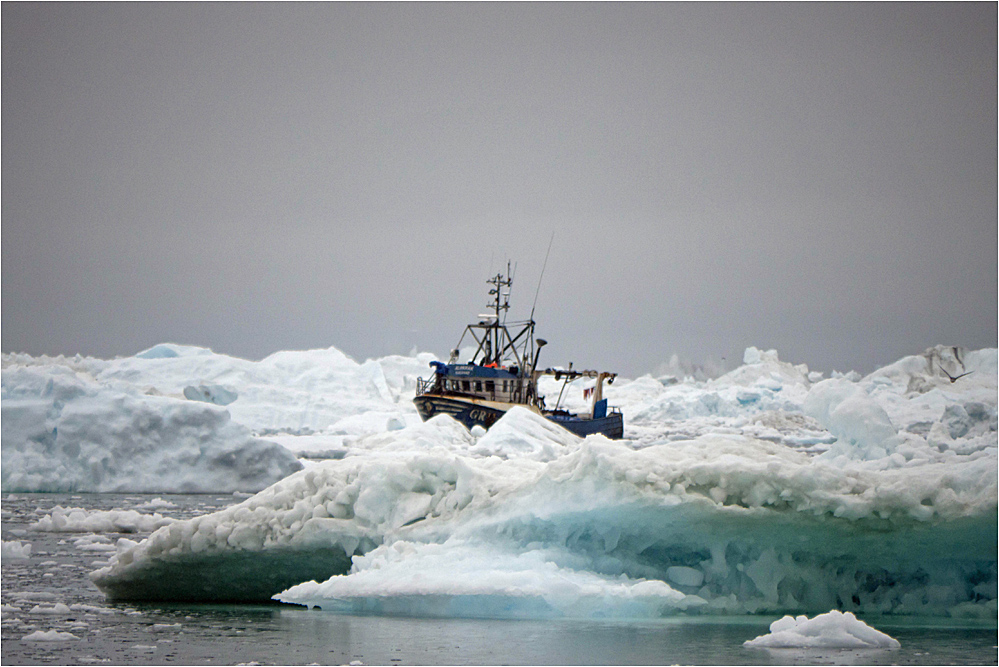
{"x":834,"y":629}
{"x":766,"y":490}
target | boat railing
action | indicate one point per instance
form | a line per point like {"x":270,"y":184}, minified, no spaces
{"x":425,"y":386}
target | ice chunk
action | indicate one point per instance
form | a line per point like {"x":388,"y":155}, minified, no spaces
{"x":858,"y":421}
{"x":170,"y":350}
{"x":156,"y":504}
{"x":765,"y":366}
{"x":289,"y":392}
{"x":48,"y":636}
{"x":685,"y":576}
{"x":833,"y":629}
{"x":214,"y":393}
{"x":521,"y":433}
{"x":956,"y":420}
{"x":15,"y":550}
{"x":768,"y":527}
{"x":462,"y":579}
{"x":58,"y":609}
{"x":78,"y":520}
{"x":63,"y":431}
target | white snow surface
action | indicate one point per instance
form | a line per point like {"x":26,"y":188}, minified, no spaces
{"x":766,"y":490}
{"x":834,"y":629}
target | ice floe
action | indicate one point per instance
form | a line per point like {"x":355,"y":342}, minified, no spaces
{"x":16,"y":550}
{"x":766,"y":490}
{"x":65,"y":431}
{"x":49,"y":636}
{"x":714,"y":524}
{"x":834,"y":629}
{"x":78,"y":520}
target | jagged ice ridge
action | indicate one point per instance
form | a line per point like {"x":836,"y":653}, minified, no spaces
{"x":766,"y":490}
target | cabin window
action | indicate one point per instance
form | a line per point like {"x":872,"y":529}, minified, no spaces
{"x":466,"y":385}
{"x":478,"y":385}
{"x":490,"y":386}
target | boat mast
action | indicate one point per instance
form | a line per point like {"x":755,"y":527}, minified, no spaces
{"x":495,"y":343}
{"x":500,"y":302}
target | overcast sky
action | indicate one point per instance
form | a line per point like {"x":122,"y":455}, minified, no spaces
{"x":816,"y":178}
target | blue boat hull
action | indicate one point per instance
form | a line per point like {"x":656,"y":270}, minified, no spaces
{"x":472,"y":413}
{"x":611,"y":426}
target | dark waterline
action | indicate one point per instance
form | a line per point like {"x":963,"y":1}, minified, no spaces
{"x":120,"y":634}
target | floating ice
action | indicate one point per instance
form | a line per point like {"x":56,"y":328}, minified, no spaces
{"x":15,"y":550}
{"x":58,"y":609}
{"x":165,"y":627}
{"x":834,"y":629}
{"x":765,"y":490}
{"x":48,"y":636}
{"x":156,"y":504}
{"x":78,"y":520}
{"x":63,"y":431}
{"x":296,"y":392}
{"x":730,"y":524}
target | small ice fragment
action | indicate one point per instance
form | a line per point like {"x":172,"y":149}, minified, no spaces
{"x":48,"y":636}
{"x":58,"y":609}
{"x":833,"y":629}
{"x":15,"y":550}
{"x":685,"y":576}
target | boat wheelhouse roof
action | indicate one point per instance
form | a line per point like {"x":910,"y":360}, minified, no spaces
{"x":473,"y":370}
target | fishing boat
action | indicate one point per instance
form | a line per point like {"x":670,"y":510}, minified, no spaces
{"x":503,"y":373}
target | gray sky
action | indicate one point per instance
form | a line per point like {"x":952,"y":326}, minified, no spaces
{"x":811,"y":177}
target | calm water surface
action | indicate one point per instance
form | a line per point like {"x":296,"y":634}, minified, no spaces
{"x":157,"y":634}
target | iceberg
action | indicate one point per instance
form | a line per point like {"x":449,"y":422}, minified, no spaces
{"x":78,"y":520}
{"x":717,"y":524}
{"x":65,"y":431}
{"x":830,"y":630}
{"x":15,"y":550}
{"x":862,"y":427}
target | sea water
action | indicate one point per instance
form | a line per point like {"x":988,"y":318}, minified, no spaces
{"x":56,"y":573}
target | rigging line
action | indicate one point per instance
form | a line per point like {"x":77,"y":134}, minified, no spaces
{"x":538,"y":291}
